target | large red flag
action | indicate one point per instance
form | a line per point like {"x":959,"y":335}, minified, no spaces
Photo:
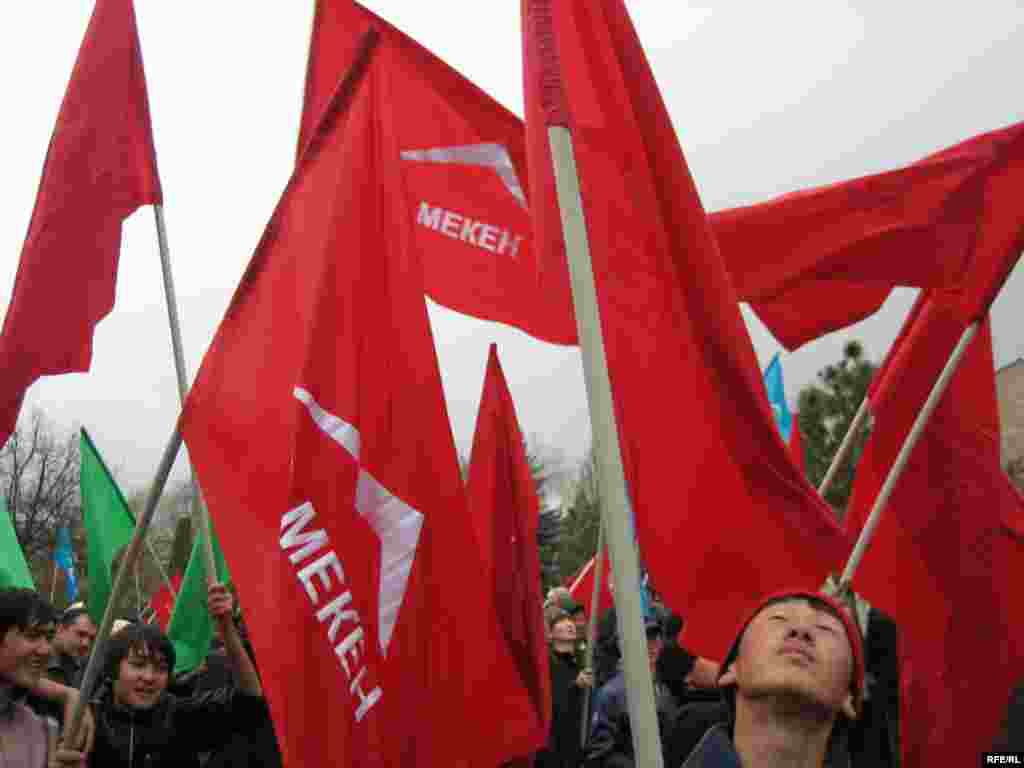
{"x":722,"y":513}
{"x":318,"y":429}
{"x":462,"y":191}
{"x":948,"y":538}
{"x":466,"y":190}
{"x":99,"y":168}
{"x":504,"y":509}
{"x":817,"y":260}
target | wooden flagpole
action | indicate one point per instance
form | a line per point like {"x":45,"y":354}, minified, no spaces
{"x":904,"y":455}
{"x":595,"y":602}
{"x":608,"y":457}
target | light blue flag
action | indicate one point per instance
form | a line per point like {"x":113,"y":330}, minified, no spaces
{"x":64,"y":556}
{"x":777,"y":397}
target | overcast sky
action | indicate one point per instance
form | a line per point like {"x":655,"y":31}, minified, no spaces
{"x":766,"y":98}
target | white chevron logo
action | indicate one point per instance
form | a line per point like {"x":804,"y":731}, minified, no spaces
{"x":396,"y":524}
{"x":482,"y":155}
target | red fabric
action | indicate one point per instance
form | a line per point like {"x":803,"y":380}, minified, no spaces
{"x":581,"y":587}
{"x":504,"y":509}
{"x":162,"y":601}
{"x":817,"y":260}
{"x":725,"y":516}
{"x":99,"y":168}
{"x":321,"y":388}
{"x":852,"y":241}
{"x":945,"y":538}
{"x":474,"y":234}
{"x":796,"y":445}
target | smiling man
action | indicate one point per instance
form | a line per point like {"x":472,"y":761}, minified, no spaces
{"x":794,"y":681}
{"x":140,"y":724}
{"x":26,"y":627}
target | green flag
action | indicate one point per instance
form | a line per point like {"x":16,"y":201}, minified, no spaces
{"x":190,"y":628}
{"x":108,"y":525}
{"x":14,"y":570}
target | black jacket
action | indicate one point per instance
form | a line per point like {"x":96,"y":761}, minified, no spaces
{"x":564,"y":748}
{"x":716,"y":750}
{"x":1011,"y":735}
{"x":611,"y":738}
{"x":172,"y":733}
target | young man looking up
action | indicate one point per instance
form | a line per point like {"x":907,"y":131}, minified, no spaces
{"x":794,"y":681}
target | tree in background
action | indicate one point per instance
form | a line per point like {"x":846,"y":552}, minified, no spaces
{"x":39,"y":480}
{"x":827,"y":408}
{"x":544,"y":466}
{"x":581,"y":521}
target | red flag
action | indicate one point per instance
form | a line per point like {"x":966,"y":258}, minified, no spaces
{"x":504,"y":509}
{"x":162,"y":601}
{"x":462,"y":188}
{"x":945,"y":539}
{"x":679,"y":357}
{"x":817,"y":260}
{"x":581,"y":586}
{"x":99,"y":168}
{"x":318,"y":428}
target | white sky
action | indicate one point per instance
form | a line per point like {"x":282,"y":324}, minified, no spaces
{"x":767,"y":97}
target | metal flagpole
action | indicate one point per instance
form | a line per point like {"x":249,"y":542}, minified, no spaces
{"x":844,"y":448}
{"x":904,"y":455}
{"x":131,"y":556}
{"x":608,"y":457}
{"x":595,"y":602}
{"x":200,"y":516}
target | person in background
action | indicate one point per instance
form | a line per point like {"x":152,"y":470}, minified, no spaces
{"x":569,"y":680}
{"x":611,"y":742}
{"x":28,"y":740}
{"x":687,"y":676}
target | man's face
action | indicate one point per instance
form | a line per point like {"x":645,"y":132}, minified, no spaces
{"x":76,"y":639}
{"x":798,"y":649}
{"x":564,"y":631}
{"x":24,"y":654}
{"x":141,"y":678}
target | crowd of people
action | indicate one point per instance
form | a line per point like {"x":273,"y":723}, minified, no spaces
{"x":140,"y":715}
{"x":809,"y":681}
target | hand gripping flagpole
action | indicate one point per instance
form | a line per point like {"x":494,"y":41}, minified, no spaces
{"x":904,"y":455}
{"x":608,"y":456}
{"x":595,"y":604}
{"x":93,"y":667}
{"x":200,"y":516}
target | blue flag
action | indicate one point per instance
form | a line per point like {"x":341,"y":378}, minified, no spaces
{"x":64,"y":556}
{"x":777,"y":397}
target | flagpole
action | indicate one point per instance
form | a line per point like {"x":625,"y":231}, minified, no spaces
{"x":595,"y":603}
{"x":844,"y":447}
{"x":200,"y":516}
{"x":53,"y":583}
{"x":93,"y":667}
{"x":608,"y":456}
{"x":904,"y":455}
